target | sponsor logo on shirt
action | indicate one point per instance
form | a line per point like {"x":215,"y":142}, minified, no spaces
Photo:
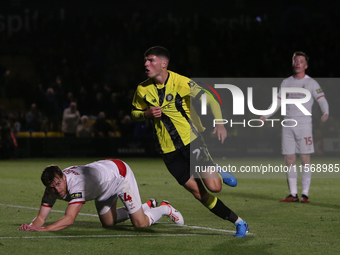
{"x":319,"y":90}
{"x":76,"y":195}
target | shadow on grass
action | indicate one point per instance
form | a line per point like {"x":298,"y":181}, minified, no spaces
{"x":237,"y":246}
{"x":93,"y":229}
{"x":154,"y":229}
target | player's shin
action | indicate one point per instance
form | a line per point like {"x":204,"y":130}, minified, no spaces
{"x":155,"y":214}
{"x":217,"y":207}
{"x":306,"y":177}
{"x":122,"y":214}
{"x":292,"y":180}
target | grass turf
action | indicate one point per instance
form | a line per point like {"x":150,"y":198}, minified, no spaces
{"x":276,"y":228}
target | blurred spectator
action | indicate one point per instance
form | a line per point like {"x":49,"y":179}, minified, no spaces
{"x":67,"y":101}
{"x":84,"y":129}
{"x":8,"y":143}
{"x":52,"y":110}
{"x":71,"y":119}
{"x":99,"y":104}
{"x":84,"y":104}
{"x":101,"y":128}
{"x":58,"y":88}
{"x":126,"y":125}
{"x":113,"y":106}
{"x":14,"y":121}
{"x":34,"y":119}
{"x":87,"y":59}
{"x":107,"y":91}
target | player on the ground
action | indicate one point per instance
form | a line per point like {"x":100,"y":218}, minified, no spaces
{"x":103,"y":181}
{"x":165,"y":99}
{"x":299,"y":139}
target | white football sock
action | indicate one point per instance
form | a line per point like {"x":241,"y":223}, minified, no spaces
{"x":145,"y":207}
{"x":292,"y":180}
{"x":306,"y":177}
{"x":238,"y":220}
{"x":154,"y":214}
{"x":122,"y":214}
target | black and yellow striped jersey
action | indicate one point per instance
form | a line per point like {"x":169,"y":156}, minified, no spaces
{"x":175,"y":128}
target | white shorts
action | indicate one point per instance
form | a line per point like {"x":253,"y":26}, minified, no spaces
{"x":297,"y":140}
{"x":127,"y":191}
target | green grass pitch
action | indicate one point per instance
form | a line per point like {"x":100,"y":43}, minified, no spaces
{"x":275,"y":228}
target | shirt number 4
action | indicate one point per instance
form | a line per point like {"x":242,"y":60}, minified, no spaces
{"x":127,"y":197}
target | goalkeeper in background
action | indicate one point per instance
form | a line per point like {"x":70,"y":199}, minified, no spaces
{"x":165,"y":99}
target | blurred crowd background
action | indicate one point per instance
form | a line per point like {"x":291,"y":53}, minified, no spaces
{"x":53,"y":53}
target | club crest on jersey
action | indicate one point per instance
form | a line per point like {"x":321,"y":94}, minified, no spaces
{"x":169,"y":97}
{"x":191,"y":83}
{"x":319,"y":90}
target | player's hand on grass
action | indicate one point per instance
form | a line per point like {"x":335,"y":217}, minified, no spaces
{"x":221,"y":132}
{"x":153,"y":112}
{"x":26,"y":227}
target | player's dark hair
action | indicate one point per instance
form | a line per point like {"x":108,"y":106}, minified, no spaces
{"x":157,"y":51}
{"x":300,"y":53}
{"x":49,"y":173}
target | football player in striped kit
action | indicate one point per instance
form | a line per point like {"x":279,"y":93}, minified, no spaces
{"x":165,"y":98}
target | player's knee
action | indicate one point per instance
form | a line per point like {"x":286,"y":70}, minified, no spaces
{"x":290,"y":159}
{"x":105,"y":225}
{"x":305,"y":159}
{"x":140,"y":224}
{"x":214,"y":185}
{"x":140,"y":221}
{"x":215,"y":189}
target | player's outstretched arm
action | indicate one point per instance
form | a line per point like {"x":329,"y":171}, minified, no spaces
{"x":38,"y":221}
{"x":70,"y":215}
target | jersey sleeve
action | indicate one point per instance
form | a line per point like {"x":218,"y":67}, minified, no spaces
{"x":195,"y":90}
{"x":48,"y":200}
{"x":77,"y":193}
{"x":138,"y":106}
{"x":319,"y":96}
{"x":283,"y":84}
{"x":317,"y":92}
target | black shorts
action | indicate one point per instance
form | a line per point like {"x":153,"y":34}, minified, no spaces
{"x":181,"y":163}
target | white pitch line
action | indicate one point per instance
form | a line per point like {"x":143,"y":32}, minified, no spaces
{"x":94,"y":236}
{"x":94,"y":215}
{"x":196,"y":227}
{"x":37,"y":209}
